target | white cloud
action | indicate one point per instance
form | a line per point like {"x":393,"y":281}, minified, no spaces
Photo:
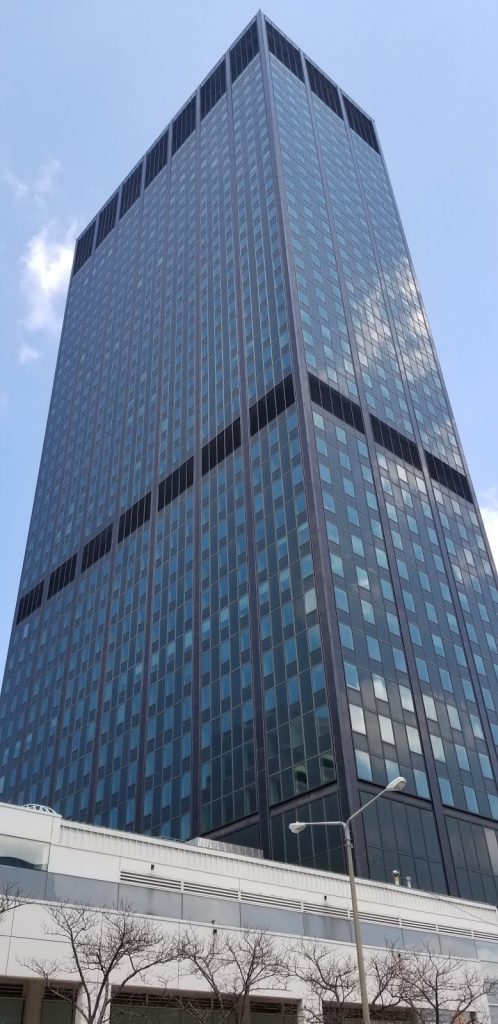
{"x":489,"y":510}
{"x":27,"y":354}
{"x":19,"y":188}
{"x":45,"y":181}
{"x":37,"y":188}
{"x":45,"y":263}
{"x":45,"y":268}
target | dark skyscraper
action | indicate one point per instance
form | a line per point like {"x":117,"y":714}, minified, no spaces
{"x":256,"y":581}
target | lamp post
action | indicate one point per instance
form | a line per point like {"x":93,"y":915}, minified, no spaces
{"x":299,"y":826}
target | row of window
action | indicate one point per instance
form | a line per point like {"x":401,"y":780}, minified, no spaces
{"x":185,"y":123}
{"x":260,"y":413}
{"x":349,"y":412}
{"x":182,"y":127}
{"x":220,"y":447}
{"x":290,"y":56}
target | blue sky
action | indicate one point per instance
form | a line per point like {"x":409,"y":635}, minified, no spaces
{"x":85,"y":88}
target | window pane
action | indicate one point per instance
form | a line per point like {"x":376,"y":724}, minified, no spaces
{"x":357,"y":719}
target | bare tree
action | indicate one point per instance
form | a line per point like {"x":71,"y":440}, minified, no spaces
{"x":330,"y":976}
{"x":383,"y":973}
{"x":106,"y":951}
{"x":435,"y":989}
{"x":234,"y":966}
{"x":11,"y":897}
{"x":441,"y":989}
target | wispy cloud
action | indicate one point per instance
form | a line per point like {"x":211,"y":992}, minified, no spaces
{"x":45,"y":181}
{"x":45,"y":268}
{"x":38,"y":187}
{"x":19,"y":188}
{"x":489,"y":510}
{"x":27,"y":353}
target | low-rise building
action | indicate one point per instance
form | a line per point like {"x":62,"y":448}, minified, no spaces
{"x":208,"y":887}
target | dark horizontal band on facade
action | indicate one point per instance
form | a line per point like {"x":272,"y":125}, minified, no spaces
{"x":213,"y":89}
{"x":323,"y":87}
{"x":395,"y":442}
{"x":243,"y":52}
{"x":284,"y":50}
{"x":185,"y":123}
{"x":96,"y":548}
{"x":271,"y":405}
{"x":156,"y":158}
{"x":30,"y":602}
{"x":171,"y":487}
{"x":135,"y":516}
{"x":449,"y":477}
{"x":333,"y":401}
{"x":228,"y":440}
{"x":361,"y":124}
{"x":107,"y":219}
{"x":326,"y":90}
{"x":175,"y":484}
{"x":130,"y":190}
{"x":389,"y":438}
{"x":61,"y":576}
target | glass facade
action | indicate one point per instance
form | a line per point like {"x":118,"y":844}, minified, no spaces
{"x":256,"y":581}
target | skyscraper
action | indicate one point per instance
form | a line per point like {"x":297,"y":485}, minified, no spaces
{"x":256,"y":581}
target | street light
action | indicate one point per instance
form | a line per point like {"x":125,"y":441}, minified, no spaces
{"x":299,"y":826}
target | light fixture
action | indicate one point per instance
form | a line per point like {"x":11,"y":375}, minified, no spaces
{"x":396,"y":785}
{"x":299,"y":826}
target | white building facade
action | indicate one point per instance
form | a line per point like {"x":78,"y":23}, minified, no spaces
{"x":179,"y":885}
